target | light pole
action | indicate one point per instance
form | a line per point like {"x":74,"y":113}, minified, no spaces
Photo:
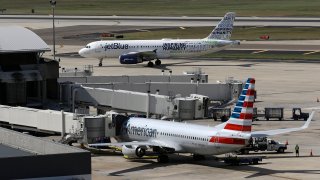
{"x":53,"y":5}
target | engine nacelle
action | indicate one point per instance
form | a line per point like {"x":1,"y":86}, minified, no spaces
{"x":133,"y":151}
{"x":130,"y":59}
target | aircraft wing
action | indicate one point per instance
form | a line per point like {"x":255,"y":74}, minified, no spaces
{"x":137,"y":143}
{"x":147,"y":55}
{"x":282,"y":131}
{"x":142,"y":143}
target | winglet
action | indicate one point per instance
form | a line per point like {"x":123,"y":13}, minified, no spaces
{"x":306,"y":125}
{"x":282,"y":131}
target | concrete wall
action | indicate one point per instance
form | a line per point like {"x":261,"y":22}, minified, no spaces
{"x":52,"y":159}
{"x":34,"y":144}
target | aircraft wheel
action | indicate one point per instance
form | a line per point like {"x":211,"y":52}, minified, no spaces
{"x":158,"y":62}
{"x":198,"y":157}
{"x":163,"y":158}
{"x":150,"y":64}
{"x":100,"y":64}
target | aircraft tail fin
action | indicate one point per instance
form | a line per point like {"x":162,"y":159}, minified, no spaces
{"x":224,"y":28}
{"x":241,"y":117}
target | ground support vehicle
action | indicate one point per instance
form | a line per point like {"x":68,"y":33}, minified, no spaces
{"x":298,"y":114}
{"x":263,"y":144}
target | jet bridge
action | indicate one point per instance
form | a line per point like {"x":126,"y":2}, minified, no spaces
{"x":130,"y":101}
{"x":72,"y":127}
{"x":161,"y":95}
{"x":192,"y":104}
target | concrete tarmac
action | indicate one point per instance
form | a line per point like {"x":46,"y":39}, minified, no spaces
{"x":279,"y":83}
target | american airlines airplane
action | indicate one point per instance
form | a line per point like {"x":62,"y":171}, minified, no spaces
{"x":140,"y":136}
{"x":138,"y":51}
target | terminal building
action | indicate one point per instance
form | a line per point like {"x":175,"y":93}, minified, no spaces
{"x":26,"y":78}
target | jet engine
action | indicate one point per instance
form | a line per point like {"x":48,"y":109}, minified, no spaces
{"x":133,"y":151}
{"x":130,"y":58}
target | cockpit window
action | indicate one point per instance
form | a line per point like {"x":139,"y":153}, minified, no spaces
{"x":88,"y":47}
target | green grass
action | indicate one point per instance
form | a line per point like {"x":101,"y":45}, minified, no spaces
{"x":239,"y":33}
{"x":167,"y":7}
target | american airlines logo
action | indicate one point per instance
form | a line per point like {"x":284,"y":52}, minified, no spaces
{"x":116,"y":46}
{"x":141,"y":131}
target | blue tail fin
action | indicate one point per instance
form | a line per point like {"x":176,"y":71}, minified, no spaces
{"x":241,"y":117}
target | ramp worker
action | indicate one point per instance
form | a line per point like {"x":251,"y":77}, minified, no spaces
{"x":297,"y":150}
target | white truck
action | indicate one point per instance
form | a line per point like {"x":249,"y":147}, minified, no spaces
{"x":263,"y":144}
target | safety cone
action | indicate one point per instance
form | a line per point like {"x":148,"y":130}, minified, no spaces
{"x":311,"y":154}
{"x":287,"y":143}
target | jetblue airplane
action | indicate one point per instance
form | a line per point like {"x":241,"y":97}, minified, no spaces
{"x":140,"y":136}
{"x":138,"y":51}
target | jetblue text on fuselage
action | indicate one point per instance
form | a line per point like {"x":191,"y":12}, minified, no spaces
{"x":174,"y":46}
{"x":116,"y":46}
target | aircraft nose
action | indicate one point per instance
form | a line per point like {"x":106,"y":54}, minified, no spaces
{"x":82,"y":52}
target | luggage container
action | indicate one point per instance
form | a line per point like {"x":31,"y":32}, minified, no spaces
{"x":222,"y":113}
{"x":276,"y":113}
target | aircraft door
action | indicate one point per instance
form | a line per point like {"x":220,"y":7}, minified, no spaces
{"x":99,"y":49}
{"x":119,"y":120}
{"x":215,"y":141}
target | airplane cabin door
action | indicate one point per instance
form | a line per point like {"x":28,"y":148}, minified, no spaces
{"x":99,"y":49}
{"x":217,"y":146}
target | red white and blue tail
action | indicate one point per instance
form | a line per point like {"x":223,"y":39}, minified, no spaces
{"x":241,"y":117}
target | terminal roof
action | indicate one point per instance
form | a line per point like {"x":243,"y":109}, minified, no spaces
{"x":19,"y":39}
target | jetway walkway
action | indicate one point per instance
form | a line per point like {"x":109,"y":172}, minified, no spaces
{"x":184,"y":96}
{"x":173,"y":100}
{"x":36,"y":120}
{"x":202,"y":78}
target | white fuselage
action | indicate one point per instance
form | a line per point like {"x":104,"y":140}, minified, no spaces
{"x":184,"y":137}
{"x":165,"y":48}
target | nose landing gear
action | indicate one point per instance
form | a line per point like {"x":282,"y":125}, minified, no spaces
{"x":100,"y":62}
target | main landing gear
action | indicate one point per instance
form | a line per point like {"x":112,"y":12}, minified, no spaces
{"x":157,"y":62}
{"x":163,"y":158}
{"x":100,"y":62}
{"x":150,"y":64}
{"x":198,"y":157}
